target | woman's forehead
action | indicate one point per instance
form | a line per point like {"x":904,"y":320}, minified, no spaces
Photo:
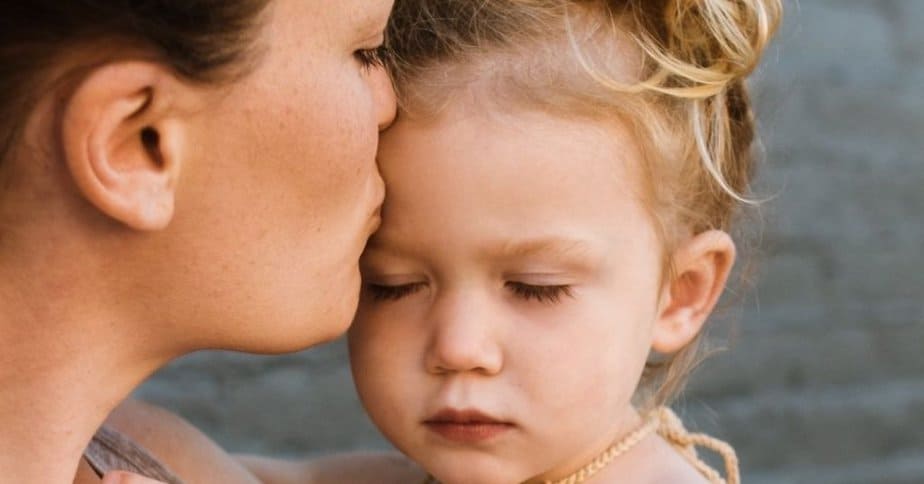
{"x":314,"y":20}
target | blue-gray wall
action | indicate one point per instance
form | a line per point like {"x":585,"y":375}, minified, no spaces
{"x":824,"y":380}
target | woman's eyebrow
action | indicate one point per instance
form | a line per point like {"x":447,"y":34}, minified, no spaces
{"x":374,"y":22}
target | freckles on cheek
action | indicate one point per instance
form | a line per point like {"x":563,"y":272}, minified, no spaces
{"x":286,"y":119}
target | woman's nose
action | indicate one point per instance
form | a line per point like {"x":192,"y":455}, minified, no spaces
{"x":386,"y":104}
{"x":464,"y":338}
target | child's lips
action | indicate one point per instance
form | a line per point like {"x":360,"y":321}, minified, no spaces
{"x":466,"y":426}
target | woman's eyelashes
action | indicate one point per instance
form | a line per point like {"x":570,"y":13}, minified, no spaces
{"x":550,"y":294}
{"x":383,"y":292}
{"x":370,"y":58}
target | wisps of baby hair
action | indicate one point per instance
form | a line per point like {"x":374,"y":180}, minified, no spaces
{"x":672,"y":71}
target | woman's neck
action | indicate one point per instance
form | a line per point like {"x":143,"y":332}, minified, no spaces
{"x":64,"y":366}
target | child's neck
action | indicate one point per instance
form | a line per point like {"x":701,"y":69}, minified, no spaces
{"x":628,"y":431}
{"x":650,"y":459}
{"x":636,"y":454}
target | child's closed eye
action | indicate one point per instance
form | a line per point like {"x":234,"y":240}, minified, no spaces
{"x":383,"y":292}
{"x":540,"y":293}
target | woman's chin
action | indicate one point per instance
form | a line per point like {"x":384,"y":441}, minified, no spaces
{"x":331,"y":317}
{"x":293,"y":317}
{"x":298,"y":333}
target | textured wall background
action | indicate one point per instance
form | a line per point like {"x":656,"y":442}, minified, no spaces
{"x":824,"y":382}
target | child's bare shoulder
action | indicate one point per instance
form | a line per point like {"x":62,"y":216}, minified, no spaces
{"x":370,"y":468}
{"x":672,"y":467}
{"x":653,"y":461}
{"x":355,"y":468}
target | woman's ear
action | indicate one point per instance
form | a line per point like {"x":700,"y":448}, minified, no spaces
{"x":701,"y":269}
{"x":123,"y":141}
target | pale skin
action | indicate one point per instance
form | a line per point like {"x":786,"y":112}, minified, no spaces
{"x":457,"y":346}
{"x":144,"y":217}
{"x":483,"y":210}
{"x":489,"y":216}
{"x":517,"y":273}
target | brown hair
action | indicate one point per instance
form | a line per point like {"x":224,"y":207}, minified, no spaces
{"x":199,"y":39}
{"x":672,"y":70}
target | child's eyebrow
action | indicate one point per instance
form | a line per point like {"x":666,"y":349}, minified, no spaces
{"x":569,"y":248}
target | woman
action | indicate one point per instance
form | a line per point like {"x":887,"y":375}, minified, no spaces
{"x":174,"y":176}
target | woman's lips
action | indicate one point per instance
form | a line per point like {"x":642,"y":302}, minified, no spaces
{"x":466,"y":426}
{"x":375,"y":216}
{"x":375,"y":221}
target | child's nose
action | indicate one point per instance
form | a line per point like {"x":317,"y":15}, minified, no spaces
{"x":464,"y":337}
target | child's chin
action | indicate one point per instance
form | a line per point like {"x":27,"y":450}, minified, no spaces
{"x":470,"y":471}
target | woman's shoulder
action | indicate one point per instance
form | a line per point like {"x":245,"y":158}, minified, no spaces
{"x":177,"y":444}
{"x":195,"y":458}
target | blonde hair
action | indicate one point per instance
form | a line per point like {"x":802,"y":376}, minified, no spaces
{"x":673,"y":71}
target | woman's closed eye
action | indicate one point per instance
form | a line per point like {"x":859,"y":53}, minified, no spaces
{"x":383,"y":292}
{"x":373,"y":57}
{"x":545,"y":293}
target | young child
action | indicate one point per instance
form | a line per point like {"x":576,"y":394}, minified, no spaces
{"x":561,"y":181}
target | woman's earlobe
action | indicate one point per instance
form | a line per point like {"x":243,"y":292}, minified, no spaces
{"x":702,"y":266}
{"x":123,"y":144}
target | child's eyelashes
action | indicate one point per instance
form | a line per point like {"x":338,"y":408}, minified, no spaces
{"x":382,"y":292}
{"x":550,"y":294}
{"x":544,"y":294}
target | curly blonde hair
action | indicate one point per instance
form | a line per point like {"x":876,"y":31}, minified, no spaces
{"x":673,"y":71}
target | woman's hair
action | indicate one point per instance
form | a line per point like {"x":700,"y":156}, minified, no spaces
{"x":201,"y":40}
{"x":672,"y":71}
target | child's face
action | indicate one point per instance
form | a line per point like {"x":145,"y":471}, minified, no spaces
{"x":509,"y":297}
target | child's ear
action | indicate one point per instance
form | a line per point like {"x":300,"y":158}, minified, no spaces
{"x":701,"y":269}
{"x":123,"y":143}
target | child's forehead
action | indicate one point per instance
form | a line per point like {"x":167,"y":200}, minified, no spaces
{"x":542,"y":243}
{"x":549,"y":253}
{"x":493,"y":145}
{"x":471,"y":161}
{"x":496,"y":226}
{"x":507,"y":185}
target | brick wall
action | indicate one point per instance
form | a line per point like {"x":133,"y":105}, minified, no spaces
{"x":824,"y":378}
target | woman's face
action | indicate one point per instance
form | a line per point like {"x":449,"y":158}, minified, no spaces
{"x":509,"y":297}
{"x":280,"y":189}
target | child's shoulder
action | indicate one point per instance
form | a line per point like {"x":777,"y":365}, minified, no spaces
{"x":671,"y":454}
{"x":672,"y":467}
{"x":364,"y":468}
{"x":351,"y":467}
{"x":684,"y":448}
